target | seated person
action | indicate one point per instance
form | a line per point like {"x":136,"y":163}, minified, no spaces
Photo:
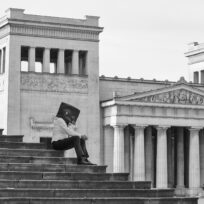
{"x":65,"y":135}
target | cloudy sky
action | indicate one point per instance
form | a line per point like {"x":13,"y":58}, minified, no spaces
{"x":141,"y":39}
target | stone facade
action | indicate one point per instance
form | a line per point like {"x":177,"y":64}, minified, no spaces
{"x":151,"y":129}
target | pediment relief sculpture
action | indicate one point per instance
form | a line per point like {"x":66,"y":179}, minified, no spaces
{"x":180,"y":96}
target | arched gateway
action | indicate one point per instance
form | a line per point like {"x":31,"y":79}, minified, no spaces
{"x":157,"y":135}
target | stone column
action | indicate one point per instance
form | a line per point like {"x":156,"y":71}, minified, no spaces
{"x":161,"y":166}
{"x":180,"y":157}
{"x":148,"y":155}
{"x":46,"y":60}
{"x":202,"y":157}
{"x":139,"y":154}
{"x":118,"y":149}
{"x":60,"y":62}
{"x":31,"y":59}
{"x":75,"y":62}
{"x":194,"y":159}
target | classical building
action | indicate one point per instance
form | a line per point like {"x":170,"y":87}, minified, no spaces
{"x":151,"y":129}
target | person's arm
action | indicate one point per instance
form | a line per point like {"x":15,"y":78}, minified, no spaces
{"x":67,"y":129}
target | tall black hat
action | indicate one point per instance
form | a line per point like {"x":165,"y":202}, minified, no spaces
{"x":74,"y":111}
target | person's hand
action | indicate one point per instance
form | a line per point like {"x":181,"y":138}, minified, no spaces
{"x":84,"y":137}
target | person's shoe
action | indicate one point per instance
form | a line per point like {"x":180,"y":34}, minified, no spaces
{"x":89,"y":163}
{"x":82,"y":161}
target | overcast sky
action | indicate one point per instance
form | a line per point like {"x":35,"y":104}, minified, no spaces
{"x":141,"y":38}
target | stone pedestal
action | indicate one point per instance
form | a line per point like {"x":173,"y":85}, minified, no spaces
{"x":118,"y":149}
{"x":161,"y":168}
{"x":139,"y":156}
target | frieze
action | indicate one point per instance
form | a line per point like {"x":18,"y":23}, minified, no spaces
{"x":175,"y":97}
{"x":53,"y":83}
{"x":68,"y":33}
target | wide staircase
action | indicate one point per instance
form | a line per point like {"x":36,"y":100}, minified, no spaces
{"x":32,"y":174}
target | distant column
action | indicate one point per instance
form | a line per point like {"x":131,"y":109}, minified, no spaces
{"x":161,"y":168}
{"x":118,"y":149}
{"x":139,"y":154}
{"x":194,"y":159}
{"x":60,"y":62}
{"x":31,"y":59}
{"x":75,"y":62}
{"x":148,"y":155}
{"x":180,"y":158}
{"x":46,"y":60}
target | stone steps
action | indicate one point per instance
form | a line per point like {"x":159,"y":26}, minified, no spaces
{"x":32,"y":174}
{"x":31,"y":153}
{"x":51,"y":168}
{"x":11,"y":138}
{"x":22,"y":175}
{"x":70,"y":184}
{"x":95,"y":200}
{"x":86,"y":193}
{"x":20,"y":145}
{"x":37,"y":160}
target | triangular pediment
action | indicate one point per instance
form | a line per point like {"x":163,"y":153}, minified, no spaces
{"x":175,"y":94}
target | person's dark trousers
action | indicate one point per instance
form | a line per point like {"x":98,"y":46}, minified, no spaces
{"x":72,"y":142}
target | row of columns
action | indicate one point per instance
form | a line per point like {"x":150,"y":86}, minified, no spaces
{"x":161,"y":159}
{"x":60,"y":60}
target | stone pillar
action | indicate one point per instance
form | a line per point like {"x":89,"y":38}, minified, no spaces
{"x":46,"y":60}
{"x":148,"y":155}
{"x":202,"y":157}
{"x":60,"y":62}
{"x":31,"y":59}
{"x":118,"y":149}
{"x":194,"y":159}
{"x":139,"y":154}
{"x":180,"y":157}
{"x":75,"y":62}
{"x":127,"y":149}
{"x":161,"y":166}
